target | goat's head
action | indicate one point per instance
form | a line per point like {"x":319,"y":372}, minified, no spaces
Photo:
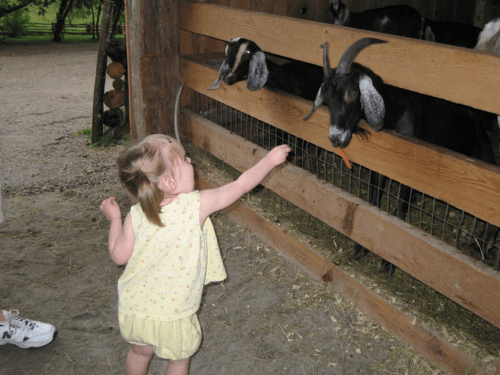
{"x":350,"y":95}
{"x":339,"y":12}
{"x":244,"y":61}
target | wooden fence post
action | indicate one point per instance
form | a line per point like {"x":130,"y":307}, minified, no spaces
{"x":100,"y":75}
{"x":153,"y":65}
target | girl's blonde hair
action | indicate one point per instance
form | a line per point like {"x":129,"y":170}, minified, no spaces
{"x":140,"y":168}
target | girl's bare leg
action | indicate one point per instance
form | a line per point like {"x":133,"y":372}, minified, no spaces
{"x":178,"y":367}
{"x":138,"y":359}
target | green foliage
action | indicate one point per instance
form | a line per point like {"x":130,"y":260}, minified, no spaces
{"x":106,"y":141}
{"x":17,"y":23}
{"x":85,"y":132}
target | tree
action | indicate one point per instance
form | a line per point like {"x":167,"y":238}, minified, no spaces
{"x":9,"y":6}
{"x":64,"y":10}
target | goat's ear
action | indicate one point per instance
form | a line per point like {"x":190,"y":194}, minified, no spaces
{"x":257,"y":73}
{"x":373,"y":103}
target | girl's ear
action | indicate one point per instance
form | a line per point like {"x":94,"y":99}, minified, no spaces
{"x":167,"y":183}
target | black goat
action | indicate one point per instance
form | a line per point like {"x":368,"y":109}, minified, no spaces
{"x":246,"y":61}
{"x":452,"y":33}
{"x":402,"y":20}
{"x":354,"y":92}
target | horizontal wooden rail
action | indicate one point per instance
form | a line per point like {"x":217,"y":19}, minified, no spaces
{"x":465,"y":183}
{"x":427,"y":343}
{"x":409,"y":248}
{"x":456,"y":74}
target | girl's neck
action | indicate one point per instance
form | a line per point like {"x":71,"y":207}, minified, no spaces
{"x":167,"y":200}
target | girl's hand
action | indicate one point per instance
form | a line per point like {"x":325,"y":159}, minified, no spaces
{"x":110,"y":209}
{"x":278,"y":154}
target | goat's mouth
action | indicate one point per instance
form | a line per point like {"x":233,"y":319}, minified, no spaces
{"x":339,"y":137}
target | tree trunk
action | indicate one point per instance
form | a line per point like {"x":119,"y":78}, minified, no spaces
{"x":120,"y":5}
{"x":64,"y":10}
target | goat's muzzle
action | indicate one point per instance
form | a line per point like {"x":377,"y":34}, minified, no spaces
{"x":339,"y":137}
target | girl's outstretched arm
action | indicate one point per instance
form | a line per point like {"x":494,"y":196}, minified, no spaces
{"x":121,"y":237}
{"x":213,"y":200}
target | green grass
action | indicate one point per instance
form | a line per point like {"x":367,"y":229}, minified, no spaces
{"x":85,"y":132}
{"x":66,"y":38}
{"x":51,"y":17}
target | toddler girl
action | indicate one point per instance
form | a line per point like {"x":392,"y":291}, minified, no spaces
{"x":169,"y":245}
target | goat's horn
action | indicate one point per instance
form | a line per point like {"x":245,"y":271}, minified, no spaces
{"x":216,"y":84}
{"x":352,"y":51}
{"x":326,"y":66}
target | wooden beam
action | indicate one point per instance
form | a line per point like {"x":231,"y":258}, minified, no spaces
{"x":153,"y":65}
{"x":463,"y":182}
{"x":429,"y":260}
{"x":429,"y":68}
{"x":425,"y":342}
{"x":100,"y":75}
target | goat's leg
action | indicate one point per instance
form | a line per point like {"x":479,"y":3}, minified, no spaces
{"x":375,"y":190}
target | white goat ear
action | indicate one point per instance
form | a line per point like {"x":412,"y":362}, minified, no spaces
{"x":257,"y":73}
{"x":373,"y":103}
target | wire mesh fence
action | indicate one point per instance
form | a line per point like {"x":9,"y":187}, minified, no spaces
{"x":455,"y":227}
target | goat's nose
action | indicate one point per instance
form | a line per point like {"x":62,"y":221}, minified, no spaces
{"x":339,"y":137}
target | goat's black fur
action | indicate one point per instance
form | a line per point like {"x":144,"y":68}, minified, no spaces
{"x":452,"y":33}
{"x":358,"y":93}
{"x":402,"y":20}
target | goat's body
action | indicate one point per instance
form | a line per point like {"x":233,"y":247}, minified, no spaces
{"x":440,"y":122}
{"x":296,"y":78}
{"x":453,"y":33}
{"x":402,"y":20}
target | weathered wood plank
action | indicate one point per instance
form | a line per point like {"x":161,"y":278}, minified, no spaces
{"x":465,"y":183}
{"x":431,"y":261}
{"x":427,"y":343}
{"x":100,"y":76}
{"x":153,"y":65}
{"x":429,"y":68}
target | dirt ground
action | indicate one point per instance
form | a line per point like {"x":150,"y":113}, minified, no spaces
{"x":266,"y":318}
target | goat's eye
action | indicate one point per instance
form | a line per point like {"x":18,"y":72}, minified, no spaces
{"x":350,"y":95}
{"x":247,"y":51}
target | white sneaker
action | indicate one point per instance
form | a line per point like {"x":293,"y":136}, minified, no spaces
{"x":25,"y":333}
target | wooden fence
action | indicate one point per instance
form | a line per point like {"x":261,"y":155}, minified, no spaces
{"x":73,"y":29}
{"x":471,"y":185}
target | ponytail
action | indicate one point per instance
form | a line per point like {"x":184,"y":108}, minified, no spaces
{"x":141,"y":167}
{"x":150,"y":198}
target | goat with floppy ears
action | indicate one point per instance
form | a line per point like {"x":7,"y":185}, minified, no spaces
{"x":353,"y":92}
